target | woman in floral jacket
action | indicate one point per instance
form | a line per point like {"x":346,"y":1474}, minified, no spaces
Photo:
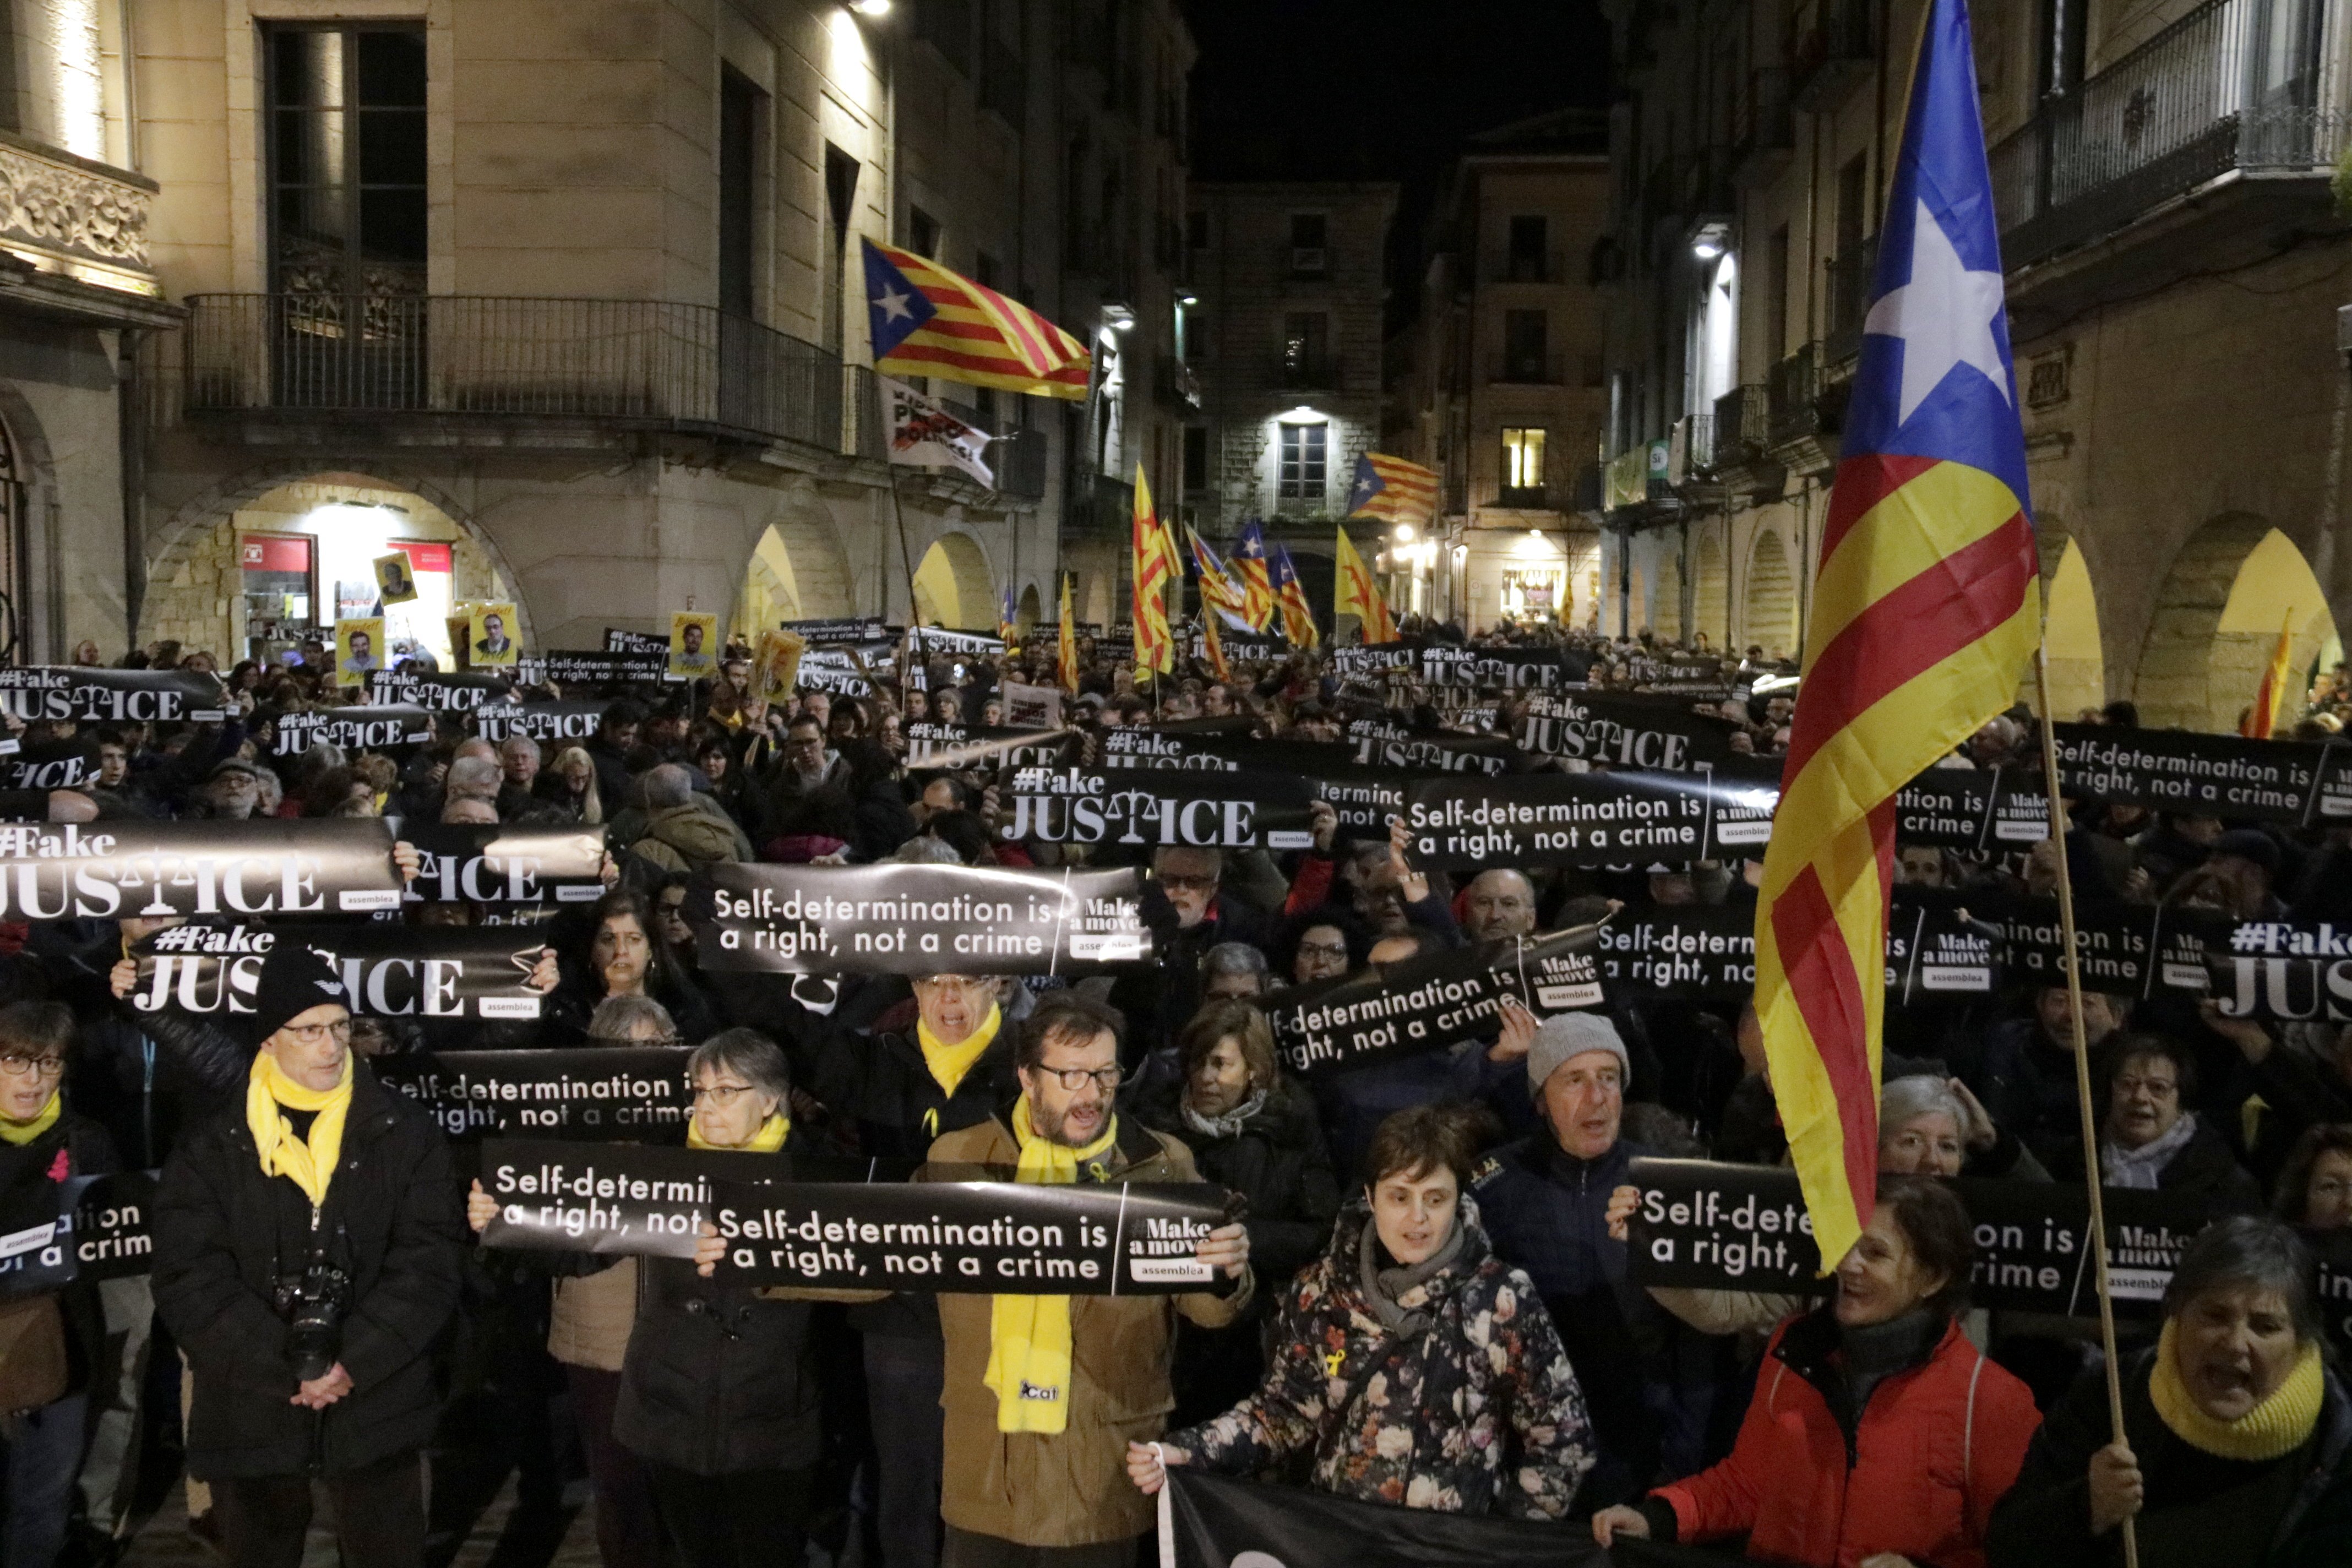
{"x":1413,"y":1365}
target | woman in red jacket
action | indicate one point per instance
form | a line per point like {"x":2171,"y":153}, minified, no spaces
{"x":1879,"y":1436}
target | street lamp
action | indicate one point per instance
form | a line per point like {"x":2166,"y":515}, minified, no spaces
{"x":1404,"y":532}
{"x":870,"y":7}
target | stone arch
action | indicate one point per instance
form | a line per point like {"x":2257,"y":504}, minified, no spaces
{"x":796,"y":570}
{"x":1769,"y":616}
{"x":41,"y":618}
{"x":193,"y":571}
{"x":1666,"y":614}
{"x":1711,"y":593}
{"x":953,"y":584}
{"x":2070,"y":623}
{"x":2234,"y":585}
{"x":1032,"y":610}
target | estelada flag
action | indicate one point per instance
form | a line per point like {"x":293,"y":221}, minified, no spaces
{"x":1249,"y":568}
{"x":1290,"y":598}
{"x":1152,"y":561}
{"x":1355,"y":594}
{"x":928,"y":320}
{"x":2263,"y":717}
{"x":1220,"y":595}
{"x":1065,"y":662}
{"x":1392,"y":489}
{"x":1926,"y":611}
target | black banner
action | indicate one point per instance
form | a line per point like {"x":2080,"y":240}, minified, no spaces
{"x":456,"y":691}
{"x":69,"y":764}
{"x":1586,"y":819}
{"x":1625,"y":731}
{"x":587,"y":666}
{"x":107,"y":871}
{"x":487,"y":864}
{"x":1512,"y":668}
{"x":1384,"y":744}
{"x":1428,"y":1003}
{"x":843,"y":629}
{"x":486,"y":972}
{"x":837,"y":682}
{"x":593,"y":1094}
{"x":938,"y":639}
{"x":390,"y":728}
{"x":1366,"y":660}
{"x":2123,"y":950}
{"x":642,"y":642}
{"x":943,"y":746}
{"x":619,"y":1199}
{"x":1188,"y":743}
{"x":892,"y":918}
{"x":1973,"y":809}
{"x":1216,"y":1522}
{"x":2279,"y":971}
{"x":1003,"y":1238}
{"x":1144,"y":809}
{"x":2207,"y":776}
{"x":85,"y":1228}
{"x":94,"y":696}
{"x":551,"y":725}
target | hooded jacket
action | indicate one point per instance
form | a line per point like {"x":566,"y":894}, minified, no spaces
{"x":1481,"y":1414}
{"x":689,"y":837}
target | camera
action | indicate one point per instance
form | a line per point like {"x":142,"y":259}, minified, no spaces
{"x":313,"y":1303}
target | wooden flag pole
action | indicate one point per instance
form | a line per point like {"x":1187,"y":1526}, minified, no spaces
{"x":2071,"y":961}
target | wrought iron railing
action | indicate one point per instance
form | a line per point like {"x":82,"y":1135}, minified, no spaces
{"x":1020,"y":463}
{"x":1790,"y":392}
{"x":1739,"y":426}
{"x":1763,"y":130}
{"x":1839,"y":42}
{"x":1848,"y":298}
{"x":1528,"y":369}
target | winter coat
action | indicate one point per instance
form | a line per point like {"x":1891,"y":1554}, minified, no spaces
{"x":1916,"y":1471}
{"x":689,"y":837}
{"x":73,"y":1146}
{"x":225,"y":1235}
{"x":1479,"y":1415}
{"x":2203,"y":1168}
{"x":1070,"y":1488}
{"x":1277,"y":1162}
{"x":2200,"y":1509}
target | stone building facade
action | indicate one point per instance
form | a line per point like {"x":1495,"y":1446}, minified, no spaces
{"x":2173,"y":290}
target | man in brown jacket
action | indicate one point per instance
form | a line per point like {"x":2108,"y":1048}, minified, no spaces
{"x":1041,"y":1481}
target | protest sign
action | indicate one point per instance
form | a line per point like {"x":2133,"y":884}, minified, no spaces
{"x":450,"y":692}
{"x":620,"y":1199}
{"x":2126,"y":950}
{"x":1428,"y":1003}
{"x":1031,"y":707}
{"x":124,"y":866}
{"x":83,"y":1229}
{"x":2282,"y":971}
{"x":1617,"y":818}
{"x":893,"y":918}
{"x":1005,"y":1238}
{"x":392,"y":727}
{"x":487,"y":864}
{"x":1138,"y":810}
{"x":586,"y":666}
{"x":844,"y":629}
{"x":2206,"y":775}
{"x":639,"y":643}
{"x":1624,"y":731}
{"x":1972,"y":809}
{"x":1218,"y":1521}
{"x":775,"y":664}
{"x":1383,"y":742}
{"x":815,"y":677}
{"x":94,"y":696}
{"x":387,"y":971}
{"x":1370,"y":660}
{"x":590,"y":1094}
{"x":551,"y":725}
{"x":1511,"y":669}
{"x":68,"y":764}
{"x":942,"y":746}
{"x":938,"y":639}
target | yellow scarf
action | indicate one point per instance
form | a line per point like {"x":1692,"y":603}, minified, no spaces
{"x":2277,"y":1427}
{"x":766,"y":1141}
{"x":308,"y":1165}
{"x":950,"y":1063}
{"x":1029,"y":1336}
{"x":22,"y":1132}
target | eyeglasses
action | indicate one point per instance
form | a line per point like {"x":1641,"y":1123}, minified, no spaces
{"x":722,"y":1095}
{"x":318,"y":1034}
{"x":952,"y":984}
{"x":1176,"y":883}
{"x":1322,"y":949}
{"x":1075,"y":1079}
{"x":17,"y":1065}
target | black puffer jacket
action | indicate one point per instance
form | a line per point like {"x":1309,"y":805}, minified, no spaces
{"x":225,"y":1234}
{"x":88,"y":1152}
{"x":1279,"y":1162}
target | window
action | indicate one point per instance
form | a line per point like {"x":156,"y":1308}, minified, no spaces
{"x":946,"y":25}
{"x":1776,"y":294}
{"x":1527,"y":254}
{"x":1310,"y":254}
{"x":1299,"y":477}
{"x":1523,"y":459}
{"x":741,"y":114}
{"x":346,"y":131}
{"x":1523,"y":345}
{"x":922,"y":233}
{"x":840,"y":196}
{"x":1196,"y":459}
{"x":1306,"y":348}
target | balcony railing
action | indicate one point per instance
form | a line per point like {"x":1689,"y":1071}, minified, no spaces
{"x":1763,"y":130}
{"x":866,"y":430}
{"x":1739,"y":426}
{"x":1849,"y":300}
{"x":1102,"y":504}
{"x":1307,"y":372}
{"x":1528,"y":267}
{"x":1790,"y":390}
{"x":1525,"y":498}
{"x":1020,"y":463}
{"x":646,"y":363}
{"x":1177,"y":384}
{"x":1529,"y":370}
{"x":1837,"y":49}
{"x":2232,"y":86}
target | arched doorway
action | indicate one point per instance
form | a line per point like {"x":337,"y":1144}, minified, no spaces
{"x":771,"y":590}
{"x":1770,"y":616}
{"x":1666,"y":615}
{"x":2235,"y":585}
{"x":1031,"y":611}
{"x":1636,"y":606}
{"x":952,"y":585}
{"x":1711,"y":593}
{"x":2078,"y":664}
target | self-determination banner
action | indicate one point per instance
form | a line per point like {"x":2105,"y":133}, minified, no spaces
{"x":551,"y":725}
{"x":1216,"y":1522}
{"x":84,"y":1229}
{"x":843,"y":629}
{"x":92,"y":695}
{"x":1384,"y":744}
{"x":1586,"y":819}
{"x":944,"y":746}
{"x":480,"y":973}
{"x":1976,"y":810}
{"x":1514,"y":669}
{"x":499,"y":865}
{"x":1002,"y":1239}
{"x":621,"y":1199}
{"x":116,"y":868}
{"x":1624,"y":731}
{"x":1139,"y":810}
{"x":587,"y":666}
{"x":892,"y":918}
{"x":589,"y":1095}
{"x":392,"y":727}
{"x":1429,"y":1002}
{"x":2207,"y":776}
{"x":2122,"y":949}
{"x":458,"y":692}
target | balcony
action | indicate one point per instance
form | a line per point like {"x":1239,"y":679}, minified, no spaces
{"x":1738,"y":426}
{"x":1021,"y":461}
{"x":1525,"y":498}
{"x":865,"y":431}
{"x":1304,"y":263}
{"x":77,"y":232}
{"x":471,"y":369}
{"x":1177,"y":385}
{"x":1528,"y":267}
{"x":1528,"y":370}
{"x":1763,"y":129}
{"x":2224,"y":106}
{"x":1790,"y":388}
{"x":1833,"y":53}
{"x":1307,"y":372}
{"x":1100,"y":504}
{"x":1849,"y":300}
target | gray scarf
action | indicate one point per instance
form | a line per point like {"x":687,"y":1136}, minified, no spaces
{"x":2137,"y":1168}
{"x":1229,"y":1125}
{"x":1384,"y":1288}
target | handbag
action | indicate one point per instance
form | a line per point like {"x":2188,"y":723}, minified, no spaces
{"x":33,"y":1371}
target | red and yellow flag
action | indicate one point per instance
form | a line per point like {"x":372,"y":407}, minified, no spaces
{"x":1356,"y":594}
{"x":1065,"y":662}
{"x":1153,"y":560}
{"x":1926,"y":609}
{"x":926,"y":321}
{"x":2264,"y":716}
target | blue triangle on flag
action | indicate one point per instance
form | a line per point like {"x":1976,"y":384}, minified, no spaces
{"x":895,"y":309}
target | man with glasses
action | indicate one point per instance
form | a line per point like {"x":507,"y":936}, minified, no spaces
{"x":775,"y":795}
{"x":307,"y":1244}
{"x":1192,"y":880}
{"x":1041,"y":1446}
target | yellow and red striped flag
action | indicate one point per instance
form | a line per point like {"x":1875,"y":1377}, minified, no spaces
{"x":1065,"y":661}
{"x":1925,"y":612}
{"x":1219,"y":592}
{"x":1392,"y":489}
{"x":2264,"y":716}
{"x":1356,"y":594}
{"x":1153,"y":560}
{"x":1250,"y":570}
{"x":1215,"y":642}
{"x":928,"y":320}
{"x":1290,"y":598}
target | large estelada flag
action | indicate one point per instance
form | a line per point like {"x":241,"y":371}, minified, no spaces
{"x":1392,"y":489}
{"x":1220,"y":595}
{"x":1249,"y":569}
{"x":1926,"y":611}
{"x":1153,"y":563}
{"x":1355,"y":594}
{"x":1290,"y":598}
{"x":928,"y":320}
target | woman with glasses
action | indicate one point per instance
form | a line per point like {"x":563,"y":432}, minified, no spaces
{"x":54,"y":1341}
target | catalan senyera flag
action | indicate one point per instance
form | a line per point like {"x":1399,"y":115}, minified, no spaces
{"x":1925,"y":612}
{"x":1065,"y":661}
{"x":1290,"y":598}
{"x":1153,"y":560}
{"x":1220,"y":595}
{"x":1392,"y":489}
{"x":2270,"y":694}
{"x":1355,"y":594}
{"x":1249,"y":567}
{"x":928,"y":320}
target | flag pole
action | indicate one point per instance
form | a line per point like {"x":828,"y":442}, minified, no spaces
{"x":2070,"y":961}
{"x":907,"y":559}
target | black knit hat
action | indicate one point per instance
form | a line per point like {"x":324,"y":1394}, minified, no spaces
{"x":295,"y":978}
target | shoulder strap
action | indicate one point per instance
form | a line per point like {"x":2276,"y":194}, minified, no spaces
{"x":1968,"y":1428}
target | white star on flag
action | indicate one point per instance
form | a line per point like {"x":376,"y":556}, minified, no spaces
{"x":894,"y":305}
{"x":1944,"y":316}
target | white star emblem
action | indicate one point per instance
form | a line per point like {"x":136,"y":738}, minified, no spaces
{"x":1944,"y":316}
{"x":894,"y":305}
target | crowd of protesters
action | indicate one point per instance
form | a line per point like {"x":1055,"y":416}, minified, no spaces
{"x":1426,"y":1303}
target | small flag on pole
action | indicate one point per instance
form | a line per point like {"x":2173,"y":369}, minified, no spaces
{"x":2263,"y":718}
{"x":1249,"y":567}
{"x":1297,"y":620}
{"x":1220,"y":595}
{"x":1392,"y":489}
{"x":923,"y":434}
{"x":928,"y":320}
{"x":1067,"y":664}
{"x":1359,"y":595}
{"x":1008,"y":619}
{"x":1154,"y":564}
